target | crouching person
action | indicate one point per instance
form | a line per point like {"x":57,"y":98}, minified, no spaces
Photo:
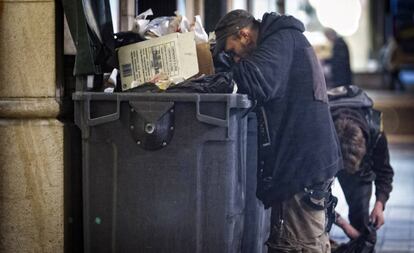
{"x":273,"y":63}
{"x":366,"y":159}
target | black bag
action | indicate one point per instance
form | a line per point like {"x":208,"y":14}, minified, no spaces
{"x":363,"y":244}
{"x":216,"y":83}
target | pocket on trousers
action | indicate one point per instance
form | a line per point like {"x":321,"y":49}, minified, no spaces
{"x":318,"y":78}
{"x":315,"y":221}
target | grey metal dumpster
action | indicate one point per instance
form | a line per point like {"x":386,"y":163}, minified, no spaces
{"x":163,"y":172}
{"x":256,"y":219}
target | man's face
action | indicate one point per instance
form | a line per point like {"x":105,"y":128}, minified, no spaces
{"x":239,"y":46}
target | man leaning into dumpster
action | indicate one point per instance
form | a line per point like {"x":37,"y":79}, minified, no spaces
{"x":299,"y":155}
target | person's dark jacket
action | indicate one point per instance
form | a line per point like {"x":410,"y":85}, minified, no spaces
{"x":382,"y":169}
{"x":340,"y":66}
{"x":376,"y":163}
{"x":299,"y":146}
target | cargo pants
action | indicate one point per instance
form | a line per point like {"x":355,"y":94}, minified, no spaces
{"x":298,"y":227}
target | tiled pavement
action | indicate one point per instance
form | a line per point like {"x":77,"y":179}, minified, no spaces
{"x":397,"y":234}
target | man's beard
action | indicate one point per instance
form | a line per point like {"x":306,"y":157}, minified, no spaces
{"x":248,"y":49}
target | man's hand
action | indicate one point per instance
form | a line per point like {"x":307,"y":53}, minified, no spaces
{"x":377,"y":215}
{"x":223,"y":62}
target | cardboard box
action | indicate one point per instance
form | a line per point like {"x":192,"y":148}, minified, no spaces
{"x":173,"y":54}
{"x":205,"y":59}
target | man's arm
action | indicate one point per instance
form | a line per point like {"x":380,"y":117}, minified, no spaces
{"x":383,"y":181}
{"x":264,"y":74}
{"x":348,"y":229}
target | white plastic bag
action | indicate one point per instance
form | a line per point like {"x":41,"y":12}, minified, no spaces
{"x":141,"y":22}
{"x":184,"y":25}
{"x":110,"y":81}
{"x":200,"y":34}
{"x":174,"y":25}
{"x":158,"y":27}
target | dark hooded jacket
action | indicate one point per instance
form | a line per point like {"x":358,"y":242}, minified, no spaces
{"x":376,"y":163}
{"x":298,"y":145}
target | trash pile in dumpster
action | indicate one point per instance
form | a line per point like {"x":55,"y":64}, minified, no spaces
{"x":165,"y":54}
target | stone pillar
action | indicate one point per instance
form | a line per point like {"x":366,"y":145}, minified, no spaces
{"x":31,"y":138}
{"x":127,"y":14}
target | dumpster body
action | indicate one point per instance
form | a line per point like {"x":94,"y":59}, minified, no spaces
{"x":256,"y":218}
{"x":163,"y":172}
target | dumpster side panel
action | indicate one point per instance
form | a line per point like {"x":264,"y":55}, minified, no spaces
{"x":257,"y":219}
{"x":185,"y":197}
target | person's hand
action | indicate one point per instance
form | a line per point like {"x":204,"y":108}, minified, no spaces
{"x":223,"y":62}
{"x":377,"y":215}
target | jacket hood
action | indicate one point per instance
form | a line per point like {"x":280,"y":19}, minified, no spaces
{"x":273,"y":22}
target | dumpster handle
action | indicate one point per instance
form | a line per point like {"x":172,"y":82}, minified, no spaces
{"x":249,"y":110}
{"x":209,"y":119}
{"x":102,"y":119}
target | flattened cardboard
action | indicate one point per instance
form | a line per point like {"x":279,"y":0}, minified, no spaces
{"x":173,"y":54}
